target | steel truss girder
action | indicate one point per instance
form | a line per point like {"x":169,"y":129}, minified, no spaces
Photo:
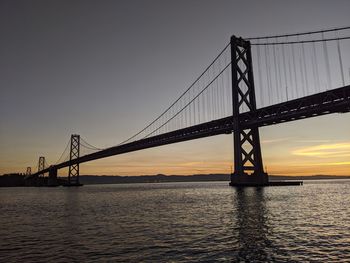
{"x":332,"y":101}
{"x":41,"y":165}
{"x":29,"y":171}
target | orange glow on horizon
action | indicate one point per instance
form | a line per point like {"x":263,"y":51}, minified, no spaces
{"x":325,"y":150}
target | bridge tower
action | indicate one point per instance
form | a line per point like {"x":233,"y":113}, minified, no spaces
{"x":29,"y":171}
{"x":73,"y":174}
{"x":248,"y":165}
{"x":41,"y":164}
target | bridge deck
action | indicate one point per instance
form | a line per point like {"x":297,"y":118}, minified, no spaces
{"x":337,"y":100}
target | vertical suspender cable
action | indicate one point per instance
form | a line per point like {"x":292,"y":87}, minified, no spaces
{"x":340,"y":63}
{"x":215,"y":86}
{"x":205,"y":99}
{"x":268,"y":74}
{"x":294,"y":71}
{"x":275,"y":70}
{"x":229,"y":88}
{"x":305,"y":69}
{"x":194,"y":105}
{"x":314,"y":67}
{"x":198,"y":105}
{"x":290,"y":71}
{"x":212,"y":96}
{"x":301,"y":70}
{"x":208,"y":99}
{"x":328,"y":71}
{"x":222,"y":91}
{"x":185,"y":112}
{"x":284,"y":70}
{"x":279,"y":73}
{"x":301,"y":67}
{"x":260,"y":77}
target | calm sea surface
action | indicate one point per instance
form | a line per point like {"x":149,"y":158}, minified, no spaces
{"x":176,"y":222}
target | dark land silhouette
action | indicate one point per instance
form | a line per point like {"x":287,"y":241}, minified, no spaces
{"x":18,"y":179}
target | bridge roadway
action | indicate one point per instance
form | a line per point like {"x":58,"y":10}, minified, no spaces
{"x":332,"y":101}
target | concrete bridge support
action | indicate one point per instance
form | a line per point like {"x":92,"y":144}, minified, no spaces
{"x":52,"y":181}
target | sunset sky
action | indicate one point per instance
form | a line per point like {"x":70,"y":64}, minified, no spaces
{"x":105,"y":69}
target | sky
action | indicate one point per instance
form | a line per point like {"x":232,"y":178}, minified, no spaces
{"x":105,"y":69}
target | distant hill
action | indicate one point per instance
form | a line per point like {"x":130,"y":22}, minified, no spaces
{"x":109,"y":179}
{"x":18,"y":179}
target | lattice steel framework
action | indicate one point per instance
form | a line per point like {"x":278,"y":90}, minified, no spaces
{"x":29,"y":171}
{"x":41,"y":164}
{"x":73,"y":174}
{"x":247,"y":151}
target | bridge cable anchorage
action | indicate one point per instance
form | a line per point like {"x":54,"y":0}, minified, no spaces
{"x":181,"y":96}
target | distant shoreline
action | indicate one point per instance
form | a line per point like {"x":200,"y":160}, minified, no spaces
{"x":11,"y":180}
{"x":161,"y":178}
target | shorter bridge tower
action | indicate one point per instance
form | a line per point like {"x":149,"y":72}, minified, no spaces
{"x":29,"y":171}
{"x":41,"y":164}
{"x":73,"y":173}
{"x":248,"y":165}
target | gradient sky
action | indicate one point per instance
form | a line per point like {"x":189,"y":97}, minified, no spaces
{"x":104,"y":69}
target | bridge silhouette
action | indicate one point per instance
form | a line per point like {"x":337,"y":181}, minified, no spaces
{"x":298,"y":76}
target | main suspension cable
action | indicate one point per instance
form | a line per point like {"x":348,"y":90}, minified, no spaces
{"x":164,"y":112}
{"x":300,"y":34}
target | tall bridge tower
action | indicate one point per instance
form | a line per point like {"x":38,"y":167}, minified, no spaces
{"x":73,"y":173}
{"x":248,"y":165}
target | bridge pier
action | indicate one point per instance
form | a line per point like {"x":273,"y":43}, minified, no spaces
{"x":249,"y":179}
{"x":52,"y":181}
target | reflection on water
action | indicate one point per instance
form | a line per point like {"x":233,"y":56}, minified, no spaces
{"x":251,"y":224}
{"x":176,"y":222}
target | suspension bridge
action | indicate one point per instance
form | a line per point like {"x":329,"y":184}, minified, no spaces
{"x":296,"y":76}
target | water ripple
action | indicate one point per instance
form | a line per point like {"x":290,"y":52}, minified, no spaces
{"x":180,"y":222}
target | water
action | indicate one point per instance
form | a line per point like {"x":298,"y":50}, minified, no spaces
{"x":176,"y":222}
